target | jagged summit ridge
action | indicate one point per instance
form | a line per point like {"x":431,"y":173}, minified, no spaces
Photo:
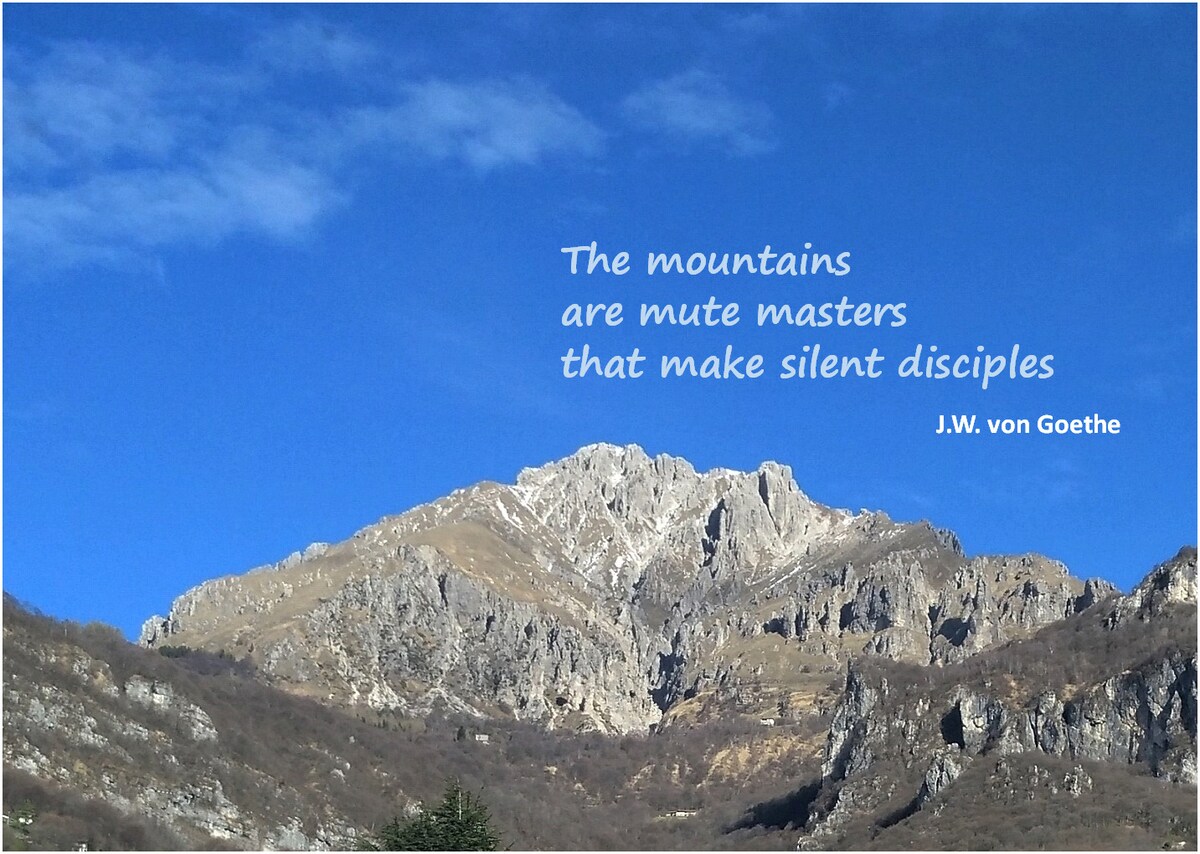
{"x":1172,"y":582}
{"x":621,"y":508}
{"x":609,"y":588}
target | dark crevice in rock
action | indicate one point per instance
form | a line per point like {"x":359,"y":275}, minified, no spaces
{"x":841,"y":760}
{"x":791,"y":811}
{"x":952,"y":728}
{"x":712,"y":531}
{"x":907,"y":811}
{"x":954,"y":630}
{"x":846,"y":617}
{"x":1070,"y":714}
{"x":669,"y":671}
{"x":764,"y":494}
{"x":775,"y":626}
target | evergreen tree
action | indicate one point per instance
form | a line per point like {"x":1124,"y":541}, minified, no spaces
{"x":460,"y":822}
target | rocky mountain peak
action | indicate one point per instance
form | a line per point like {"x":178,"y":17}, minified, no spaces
{"x":618,"y":592}
{"x":610,"y":587}
{"x":1172,"y":583}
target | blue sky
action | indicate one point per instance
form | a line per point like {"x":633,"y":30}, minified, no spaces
{"x":271,"y":273}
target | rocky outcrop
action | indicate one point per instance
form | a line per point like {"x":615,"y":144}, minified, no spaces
{"x":601,"y":590}
{"x":1172,"y":582}
{"x":1143,"y":716}
{"x":907,"y":728}
{"x":943,"y":770}
{"x":161,"y":696}
{"x":141,"y":746}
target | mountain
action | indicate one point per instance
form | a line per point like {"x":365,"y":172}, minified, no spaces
{"x":1114,"y":684}
{"x":658,"y":658}
{"x":610,"y":588}
{"x":126,"y":748}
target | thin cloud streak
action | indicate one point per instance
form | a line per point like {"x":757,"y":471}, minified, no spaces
{"x":487,"y":125}
{"x":696,"y":106}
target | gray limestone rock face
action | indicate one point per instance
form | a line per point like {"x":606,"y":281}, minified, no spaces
{"x":1170,"y":583}
{"x":1141,"y":712}
{"x":161,"y":696}
{"x":604,"y":589}
{"x":943,"y":770}
{"x":140,"y":745}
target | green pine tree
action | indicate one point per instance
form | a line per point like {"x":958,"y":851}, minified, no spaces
{"x":461,"y":822}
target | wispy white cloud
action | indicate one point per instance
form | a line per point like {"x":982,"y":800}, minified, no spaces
{"x":697,"y":106}
{"x":486,"y":125}
{"x":81,"y":104}
{"x":115,"y":212}
{"x":110,"y":156}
